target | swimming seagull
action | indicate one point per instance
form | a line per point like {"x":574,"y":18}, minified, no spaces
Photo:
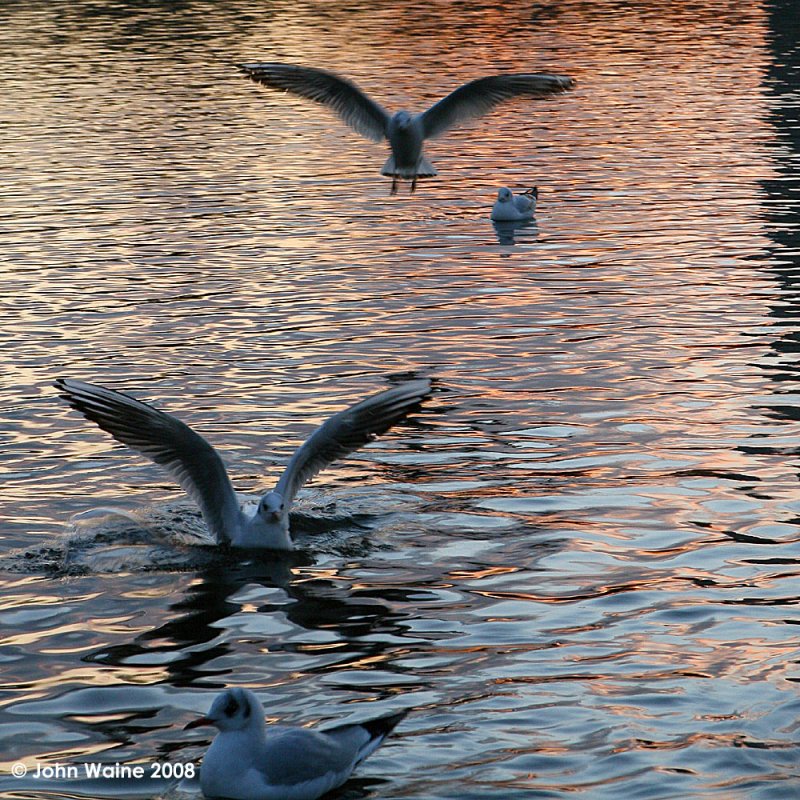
{"x":511,"y":208}
{"x":194,"y":463}
{"x":405,"y":132}
{"x":248,"y":761}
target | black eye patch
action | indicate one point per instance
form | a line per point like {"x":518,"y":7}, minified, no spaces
{"x":231,"y":708}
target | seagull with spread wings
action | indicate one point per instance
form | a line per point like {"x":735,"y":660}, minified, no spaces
{"x":197,"y":467}
{"x":405,"y":132}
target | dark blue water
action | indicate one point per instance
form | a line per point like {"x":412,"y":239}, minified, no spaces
{"x":580,"y":566}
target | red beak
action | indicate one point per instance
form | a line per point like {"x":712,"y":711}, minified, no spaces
{"x":196,"y":723}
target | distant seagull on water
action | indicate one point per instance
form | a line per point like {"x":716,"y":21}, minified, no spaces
{"x":250,"y":761}
{"x":510,"y":207}
{"x":197,"y":467}
{"x":406,"y":132}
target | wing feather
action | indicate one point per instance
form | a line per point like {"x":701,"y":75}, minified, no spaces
{"x":299,"y":756}
{"x":480,"y":96}
{"x":167,"y":441}
{"x":349,"y":430}
{"x":344,"y":98}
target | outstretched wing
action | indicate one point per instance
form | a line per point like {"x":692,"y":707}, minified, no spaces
{"x":188,"y":458}
{"x":348,"y":430}
{"x":480,"y":96}
{"x":344,"y":98}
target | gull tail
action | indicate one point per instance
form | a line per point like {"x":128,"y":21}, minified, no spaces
{"x":378,"y":729}
{"x":361,"y":739}
{"x":423,"y":169}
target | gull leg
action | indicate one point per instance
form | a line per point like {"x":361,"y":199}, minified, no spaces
{"x":394,"y":185}
{"x":413,"y":184}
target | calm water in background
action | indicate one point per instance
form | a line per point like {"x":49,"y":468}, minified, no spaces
{"x":586,"y":560}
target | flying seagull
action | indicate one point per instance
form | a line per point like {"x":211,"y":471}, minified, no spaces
{"x":510,"y":207}
{"x":406,"y":132}
{"x":197,"y":467}
{"x":248,"y":761}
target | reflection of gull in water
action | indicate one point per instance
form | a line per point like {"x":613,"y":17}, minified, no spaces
{"x":248,"y":761}
{"x":510,"y":207}
{"x":406,"y":133}
{"x":194,"y":463}
{"x":507,"y":232}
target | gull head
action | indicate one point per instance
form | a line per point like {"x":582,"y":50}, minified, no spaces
{"x":272,"y":508}
{"x":402,"y":120}
{"x":268,"y":526}
{"x":504,"y":195}
{"x":233,"y":710}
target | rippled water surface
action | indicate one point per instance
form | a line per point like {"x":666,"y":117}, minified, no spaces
{"x":581,"y":565}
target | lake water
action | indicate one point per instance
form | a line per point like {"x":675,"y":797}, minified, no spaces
{"x":581,"y":565}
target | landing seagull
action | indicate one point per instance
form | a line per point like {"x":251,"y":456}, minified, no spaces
{"x":406,"y":132}
{"x":248,"y":761}
{"x":194,"y":463}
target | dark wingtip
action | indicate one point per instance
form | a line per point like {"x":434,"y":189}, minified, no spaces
{"x":246,"y":69}
{"x":431,"y":382}
{"x":562,"y":83}
{"x":423,"y":395}
{"x":250,"y":69}
{"x":383,"y":726}
{"x":63,"y":389}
